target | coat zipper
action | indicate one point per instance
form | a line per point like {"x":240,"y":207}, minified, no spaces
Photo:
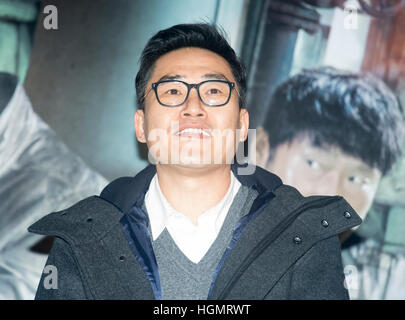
{"x":270,"y":238}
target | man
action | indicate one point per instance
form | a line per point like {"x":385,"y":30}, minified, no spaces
{"x":334,"y":132}
{"x":193,"y":226}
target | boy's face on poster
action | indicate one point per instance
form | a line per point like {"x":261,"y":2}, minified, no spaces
{"x":325,"y":171}
{"x":185,"y":148}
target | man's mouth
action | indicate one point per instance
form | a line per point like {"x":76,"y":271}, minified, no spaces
{"x":194,"y":132}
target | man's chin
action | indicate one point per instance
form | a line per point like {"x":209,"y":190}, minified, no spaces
{"x":194,"y":165}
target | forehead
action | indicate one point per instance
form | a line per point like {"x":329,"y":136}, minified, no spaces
{"x":191,"y":63}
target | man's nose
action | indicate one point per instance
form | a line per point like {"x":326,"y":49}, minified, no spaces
{"x":193,"y":107}
{"x":330,"y":184}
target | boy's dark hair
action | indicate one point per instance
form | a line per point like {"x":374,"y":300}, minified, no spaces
{"x":200,"y":35}
{"x":356,"y":112}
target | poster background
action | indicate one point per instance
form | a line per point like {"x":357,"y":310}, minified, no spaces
{"x":80,"y":77}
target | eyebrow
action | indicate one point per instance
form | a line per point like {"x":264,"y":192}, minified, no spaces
{"x":171,"y":77}
{"x":365,"y":169}
{"x":217,"y":76}
{"x":362,"y":168}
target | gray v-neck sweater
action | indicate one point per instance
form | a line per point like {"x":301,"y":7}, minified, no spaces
{"x":180,"y":277}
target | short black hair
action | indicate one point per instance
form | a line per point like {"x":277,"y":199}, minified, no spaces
{"x":200,"y":35}
{"x":354,"y":111}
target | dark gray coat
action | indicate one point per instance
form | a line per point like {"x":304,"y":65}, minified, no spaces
{"x":289,"y":250}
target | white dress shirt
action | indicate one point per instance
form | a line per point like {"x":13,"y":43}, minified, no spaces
{"x":194,"y":241}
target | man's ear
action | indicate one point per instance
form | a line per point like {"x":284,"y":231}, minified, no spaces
{"x":244,"y":124}
{"x":139,"y":122}
{"x":262,"y":145}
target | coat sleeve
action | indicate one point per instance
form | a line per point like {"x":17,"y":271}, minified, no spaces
{"x":318,"y":275}
{"x":61,"y":278}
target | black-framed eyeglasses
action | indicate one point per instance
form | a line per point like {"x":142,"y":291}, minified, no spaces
{"x":174,"y":93}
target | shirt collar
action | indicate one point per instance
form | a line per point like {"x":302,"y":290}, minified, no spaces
{"x":160,"y":211}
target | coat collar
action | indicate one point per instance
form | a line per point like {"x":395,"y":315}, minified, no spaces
{"x":126,"y":191}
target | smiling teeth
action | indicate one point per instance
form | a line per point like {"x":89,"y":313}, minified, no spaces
{"x":194,"y":131}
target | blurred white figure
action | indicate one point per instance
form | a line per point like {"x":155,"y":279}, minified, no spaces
{"x":38,"y":175}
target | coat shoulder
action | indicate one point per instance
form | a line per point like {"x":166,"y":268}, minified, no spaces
{"x":318,"y":216}
{"x":85,"y":221}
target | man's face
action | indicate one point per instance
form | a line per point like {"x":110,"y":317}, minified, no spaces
{"x":166,"y":129}
{"x":326,"y":171}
